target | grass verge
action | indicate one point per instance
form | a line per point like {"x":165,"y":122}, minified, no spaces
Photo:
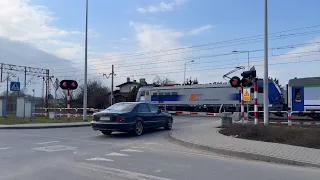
{"x":16,"y":120}
{"x":298,"y":136}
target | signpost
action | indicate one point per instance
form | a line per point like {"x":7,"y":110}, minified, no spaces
{"x":15,"y":87}
{"x":247,"y":98}
{"x":246,"y":94}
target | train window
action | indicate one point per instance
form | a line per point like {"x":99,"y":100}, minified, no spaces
{"x":298,"y":95}
{"x":167,"y":93}
{"x":147,"y":93}
{"x":260,"y":90}
{"x":174,"y":93}
{"x":160,"y":94}
{"x":154,"y":94}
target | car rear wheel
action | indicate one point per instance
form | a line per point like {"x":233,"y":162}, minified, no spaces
{"x":168,"y":126}
{"x":106,"y":132}
{"x":138,"y":128}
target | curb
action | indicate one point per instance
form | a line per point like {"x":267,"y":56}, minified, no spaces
{"x":44,"y":126}
{"x":244,"y":155}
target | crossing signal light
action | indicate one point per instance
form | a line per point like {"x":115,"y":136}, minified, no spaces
{"x":74,"y":85}
{"x":64,"y":84}
{"x":235,"y":81}
{"x":246,"y":82}
{"x":68,"y":84}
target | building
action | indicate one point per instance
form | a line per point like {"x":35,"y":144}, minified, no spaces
{"x":122,"y":94}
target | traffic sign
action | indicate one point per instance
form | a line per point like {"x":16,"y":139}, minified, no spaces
{"x":246,"y":94}
{"x":14,"y":86}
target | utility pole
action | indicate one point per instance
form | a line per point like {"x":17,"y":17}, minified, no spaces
{"x":112,"y":75}
{"x":85,"y":93}
{"x":43,"y":92}
{"x":1,"y":71}
{"x":47,"y":81}
{"x":18,"y":91}
{"x":265,"y":79}
{"x":7,"y":87}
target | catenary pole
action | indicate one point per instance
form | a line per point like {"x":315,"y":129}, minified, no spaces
{"x":265,"y":79}
{"x":85,"y":94}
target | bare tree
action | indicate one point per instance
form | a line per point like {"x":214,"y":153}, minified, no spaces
{"x":159,"y":81}
{"x":98,"y":95}
{"x":190,"y":81}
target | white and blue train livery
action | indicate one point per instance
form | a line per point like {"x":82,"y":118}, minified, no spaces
{"x":304,"y":94}
{"x":206,"y":97}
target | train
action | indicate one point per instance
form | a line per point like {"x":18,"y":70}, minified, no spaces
{"x":299,"y":95}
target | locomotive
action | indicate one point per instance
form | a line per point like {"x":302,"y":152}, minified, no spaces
{"x":206,"y":97}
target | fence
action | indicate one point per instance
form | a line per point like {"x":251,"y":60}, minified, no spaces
{"x":63,"y":112}
{"x":289,"y":121}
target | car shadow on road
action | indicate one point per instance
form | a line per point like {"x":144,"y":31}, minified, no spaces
{"x":123,"y":135}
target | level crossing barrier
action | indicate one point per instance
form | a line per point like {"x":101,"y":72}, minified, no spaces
{"x":60,"y":112}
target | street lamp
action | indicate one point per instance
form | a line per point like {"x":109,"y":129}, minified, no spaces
{"x":85,"y":94}
{"x":185,"y":67}
{"x":248,"y":56}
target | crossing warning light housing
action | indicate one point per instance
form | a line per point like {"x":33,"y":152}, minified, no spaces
{"x":235,"y":81}
{"x":246,"y":82}
{"x":68,"y":84}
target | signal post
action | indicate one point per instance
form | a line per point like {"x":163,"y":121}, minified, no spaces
{"x":248,"y":79}
{"x":69,"y":85}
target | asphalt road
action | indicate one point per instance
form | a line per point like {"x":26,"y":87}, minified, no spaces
{"x":82,"y":154}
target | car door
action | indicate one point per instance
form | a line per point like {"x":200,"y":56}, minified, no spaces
{"x":145,"y":114}
{"x":157,"y":117}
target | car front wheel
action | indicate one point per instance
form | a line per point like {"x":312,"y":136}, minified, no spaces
{"x":168,"y":126}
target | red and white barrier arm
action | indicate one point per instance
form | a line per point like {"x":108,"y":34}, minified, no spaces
{"x":242,"y":105}
{"x":255,"y":103}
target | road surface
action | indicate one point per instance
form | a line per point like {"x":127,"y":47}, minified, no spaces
{"x":81,"y":154}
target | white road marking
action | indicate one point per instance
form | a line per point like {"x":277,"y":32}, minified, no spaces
{"x":5,"y":148}
{"x":131,"y":150}
{"x":99,"y":159}
{"x":116,"y":154}
{"x":151,"y":143}
{"x":55,"y":148}
{"x":119,"y":172}
{"x":48,"y":142}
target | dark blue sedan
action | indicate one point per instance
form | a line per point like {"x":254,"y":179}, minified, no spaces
{"x":132,"y":117}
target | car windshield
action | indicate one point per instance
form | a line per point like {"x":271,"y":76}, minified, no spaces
{"x":121,"y":107}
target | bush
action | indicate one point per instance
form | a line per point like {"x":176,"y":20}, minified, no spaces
{"x":299,"y":136}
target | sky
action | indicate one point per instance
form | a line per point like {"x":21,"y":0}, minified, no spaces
{"x":146,"y":38}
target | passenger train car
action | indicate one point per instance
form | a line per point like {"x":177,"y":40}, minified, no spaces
{"x":206,"y":97}
{"x":304,"y":94}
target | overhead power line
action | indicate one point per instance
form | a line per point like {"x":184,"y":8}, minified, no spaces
{"x":199,"y":57}
{"x":207,"y":69}
{"x":222,"y":65}
{"x":210,"y":44}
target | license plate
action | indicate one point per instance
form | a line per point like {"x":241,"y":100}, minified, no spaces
{"x":105,"y":118}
